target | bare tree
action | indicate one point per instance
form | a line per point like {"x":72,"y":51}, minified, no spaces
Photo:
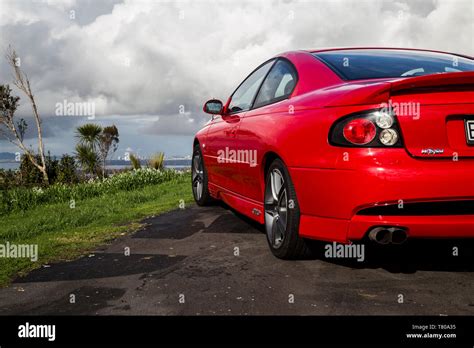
{"x":8,"y":106}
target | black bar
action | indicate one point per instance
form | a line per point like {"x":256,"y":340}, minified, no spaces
{"x":258,"y":330}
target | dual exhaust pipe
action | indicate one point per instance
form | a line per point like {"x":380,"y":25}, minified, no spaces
{"x":388,"y":235}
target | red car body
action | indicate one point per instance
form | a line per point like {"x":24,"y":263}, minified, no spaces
{"x":343,"y":192}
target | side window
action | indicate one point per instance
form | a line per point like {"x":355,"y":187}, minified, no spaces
{"x":244,"y":95}
{"x":278,"y":85}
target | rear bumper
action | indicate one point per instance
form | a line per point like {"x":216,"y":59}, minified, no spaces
{"x":444,"y":226}
{"x":330,"y":199}
{"x":343,"y":231}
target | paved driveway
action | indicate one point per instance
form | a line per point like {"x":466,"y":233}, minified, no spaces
{"x":205,"y":261}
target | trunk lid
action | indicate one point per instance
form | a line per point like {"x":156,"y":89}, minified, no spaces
{"x":436,"y":114}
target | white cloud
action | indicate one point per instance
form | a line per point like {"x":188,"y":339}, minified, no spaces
{"x":154,"y":57}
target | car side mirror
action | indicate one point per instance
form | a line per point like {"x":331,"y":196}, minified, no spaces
{"x":213,"y":106}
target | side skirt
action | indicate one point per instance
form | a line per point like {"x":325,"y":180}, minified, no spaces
{"x":250,"y":208}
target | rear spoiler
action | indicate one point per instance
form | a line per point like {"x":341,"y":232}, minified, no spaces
{"x":376,"y":93}
{"x":433,"y":81}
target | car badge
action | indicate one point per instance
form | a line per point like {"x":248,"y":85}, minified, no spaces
{"x":432,"y":151}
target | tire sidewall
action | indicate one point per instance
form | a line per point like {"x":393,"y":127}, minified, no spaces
{"x":293,"y":217}
{"x":205,"y":197}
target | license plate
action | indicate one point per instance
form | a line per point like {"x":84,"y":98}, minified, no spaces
{"x":469,"y":124}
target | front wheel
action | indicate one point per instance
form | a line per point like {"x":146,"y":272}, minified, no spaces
{"x":199,"y":179}
{"x":282,"y":214}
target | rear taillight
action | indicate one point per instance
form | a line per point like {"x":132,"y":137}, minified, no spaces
{"x":359,"y":131}
{"x":373,"y":128}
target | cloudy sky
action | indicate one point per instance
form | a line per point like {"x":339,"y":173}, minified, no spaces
{"x":148,"y":66}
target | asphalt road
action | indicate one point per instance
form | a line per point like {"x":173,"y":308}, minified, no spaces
{"x":206,"y":261}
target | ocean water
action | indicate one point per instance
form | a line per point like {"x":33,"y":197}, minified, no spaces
{"x":9,"y":165}
{"x":174,"y":165}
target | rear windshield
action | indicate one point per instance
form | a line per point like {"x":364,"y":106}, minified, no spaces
{"x":373,"y":64}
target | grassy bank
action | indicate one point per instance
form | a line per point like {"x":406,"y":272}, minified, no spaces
{"x":64,"y":232}
{"x":24,"y":198}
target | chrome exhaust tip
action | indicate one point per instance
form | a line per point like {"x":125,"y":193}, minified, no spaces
{"x":388,"y":235}
{"x":399,"y":236}
{"x":380,"y":235}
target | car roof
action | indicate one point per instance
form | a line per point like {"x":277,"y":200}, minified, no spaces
{"x":329,"y":49}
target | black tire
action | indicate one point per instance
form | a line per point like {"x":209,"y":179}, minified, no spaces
{"x":199,"y":179}
{"x":290,"y":245}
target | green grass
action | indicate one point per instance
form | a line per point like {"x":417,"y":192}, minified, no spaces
{"x":64,"y":233}
{"x":24,"y":198}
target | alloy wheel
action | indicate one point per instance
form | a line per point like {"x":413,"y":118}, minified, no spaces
{"x":276,"y":208}
{"x":198,"y":177}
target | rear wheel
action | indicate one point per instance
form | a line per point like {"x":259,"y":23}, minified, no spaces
{"x":282,"y":214}
{"x":199,"y":178}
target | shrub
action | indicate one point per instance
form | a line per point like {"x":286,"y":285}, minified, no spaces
{"x":157,"y":161}
{"x":51,"y":168}
{"x":30,"y":175}
{"x":62,"y":171}
{"x":9,"y":179}
{"x":67,"y":170}
{"x":135,"y":161}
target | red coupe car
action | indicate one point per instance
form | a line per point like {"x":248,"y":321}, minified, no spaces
{"x":343,"y":145}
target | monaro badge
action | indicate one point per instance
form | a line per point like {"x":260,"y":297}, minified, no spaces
{"x":432,"y":151}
